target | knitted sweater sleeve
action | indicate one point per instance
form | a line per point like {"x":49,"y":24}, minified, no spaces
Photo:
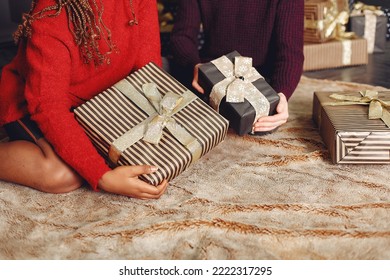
{"x":184,"y":36}
{"x":149,"y":39}
{"x":46,"y":92}
{"x":288,"y":31}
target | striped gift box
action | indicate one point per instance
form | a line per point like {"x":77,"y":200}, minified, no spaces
{"x":334,"y":54}
{"x":111,"y":115}
{"x":351,"y":138}
{"x":314,"y":15}
{"x":318,"y":15}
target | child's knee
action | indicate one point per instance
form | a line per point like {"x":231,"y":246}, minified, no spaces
{"x":61,"y":179}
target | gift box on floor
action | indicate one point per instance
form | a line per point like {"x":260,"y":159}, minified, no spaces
{"x":373,"y":29}
{"x":350,"y":136}
{"x":324,"y":20}
{"x":336,"y":53}
{"x":150,"y":118}
{"x":237,"y":91}
{"x":369,"y":22}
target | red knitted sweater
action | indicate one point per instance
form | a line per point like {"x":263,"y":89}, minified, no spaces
{"x":48,"y":78}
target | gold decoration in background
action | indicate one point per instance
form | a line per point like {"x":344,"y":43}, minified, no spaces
{"x":325,"y":20}
{"x":360,"y":8}
{"x":165,"y":18}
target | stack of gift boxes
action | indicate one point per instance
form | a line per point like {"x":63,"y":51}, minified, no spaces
{"x":341,"y":33}
{"x":328,"y":44}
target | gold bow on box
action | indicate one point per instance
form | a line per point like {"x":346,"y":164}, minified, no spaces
{"x":160,"y":111}
{"x":378,"y":109}
{"x":360,"y":8}
{"x":237,"y":85}
{"x":333,"y":24}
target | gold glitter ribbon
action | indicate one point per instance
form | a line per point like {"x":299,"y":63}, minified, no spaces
{"x":360,"y":8}
{"x":334,"y":23}
{"x":378,"y":109}
{"x":237,"y":85}
{"x":346,"y":51}
{"x":161,"y":111}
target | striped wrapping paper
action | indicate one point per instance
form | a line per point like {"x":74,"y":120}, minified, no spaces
{"x":316,"y":13}
{"x":335,"y":53}
{"x":110,"y":114}
{"x":349,"y":135}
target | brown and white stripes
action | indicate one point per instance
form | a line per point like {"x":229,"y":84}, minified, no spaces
{"x":110,"y":114}
{"x":351,"y":137}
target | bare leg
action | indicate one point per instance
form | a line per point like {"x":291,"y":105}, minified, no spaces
{"x":36,"y":166}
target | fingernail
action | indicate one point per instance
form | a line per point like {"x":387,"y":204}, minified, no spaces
{"x":153,"y":168}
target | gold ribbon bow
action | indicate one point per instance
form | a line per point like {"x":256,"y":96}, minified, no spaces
{"x":334,"y":23}
{"x":237,"y":85}
{"x":161,"y":111}
{"x":337,"y":26}
{"x":360,"y":8}
{"x":378,"y":109}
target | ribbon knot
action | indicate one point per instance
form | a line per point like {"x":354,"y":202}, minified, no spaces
{"x":161,"y":110}
{"x":238,"y":79}
{"x":164,"y":107}
{"x":378,"y":108}
{"x":237,"y":85}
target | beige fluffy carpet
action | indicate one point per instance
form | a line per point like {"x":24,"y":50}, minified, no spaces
{"x":271,"y":197}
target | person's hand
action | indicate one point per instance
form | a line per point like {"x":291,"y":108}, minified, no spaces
{"x":195,"y":83}
{"x":269,"y":123}
{"x":124,"y":180}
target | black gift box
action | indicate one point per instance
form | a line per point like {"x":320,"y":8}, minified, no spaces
{"x":241,"y":116}
{"x":357,"y":25}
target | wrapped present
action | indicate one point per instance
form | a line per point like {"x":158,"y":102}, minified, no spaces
{"x":150,"y":118}
{"x":237,"y":91}
{"x":369,"y":22}
{"x":325,"y":20}
{"x":336,"y":53}
{"x":354,"y":125}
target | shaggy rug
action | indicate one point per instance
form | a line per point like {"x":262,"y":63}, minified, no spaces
{"x":271,"y":197}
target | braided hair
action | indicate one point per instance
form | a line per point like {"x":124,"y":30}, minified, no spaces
{"x":86,"y":26}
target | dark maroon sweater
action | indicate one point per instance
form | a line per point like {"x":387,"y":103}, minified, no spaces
{"x":269,"y":31}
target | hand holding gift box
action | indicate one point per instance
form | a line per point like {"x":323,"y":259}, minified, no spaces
{"x":237,"y":91}
{"x":149,"y":118}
